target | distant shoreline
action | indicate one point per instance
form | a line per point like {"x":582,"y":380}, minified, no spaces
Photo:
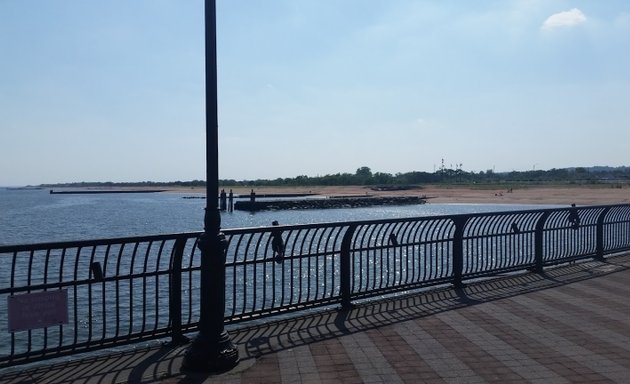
{"x":460,"y":194}
{"x":596,"y":194}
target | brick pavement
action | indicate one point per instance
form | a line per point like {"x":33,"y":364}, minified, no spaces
{"x":570,"y":325}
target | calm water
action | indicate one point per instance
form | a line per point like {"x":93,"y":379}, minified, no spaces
{"x":35,"y":216}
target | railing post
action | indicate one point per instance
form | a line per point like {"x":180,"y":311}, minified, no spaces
{"x":458,"y":250}
{"x":538,"y":242}
{"x":175,"y":292}
{"x":345,"y":273}
{"x":600,"y":234}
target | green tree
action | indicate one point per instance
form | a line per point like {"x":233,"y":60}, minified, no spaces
{"x":363,"y":176}
{"x":364,"y":172}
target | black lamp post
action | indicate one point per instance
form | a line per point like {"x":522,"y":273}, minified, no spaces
{"x":212,"y":350}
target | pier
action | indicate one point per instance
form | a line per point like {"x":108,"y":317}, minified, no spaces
{"x":567,"y":325}
{"x":331,"y":278}
{"x":104,"y":191}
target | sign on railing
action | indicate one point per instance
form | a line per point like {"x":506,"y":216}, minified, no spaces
{"x":37,"y":310}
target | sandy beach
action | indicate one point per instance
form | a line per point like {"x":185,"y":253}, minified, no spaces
{"x":580,"y":195}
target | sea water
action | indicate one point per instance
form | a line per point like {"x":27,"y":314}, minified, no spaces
{"x":36,"y":216}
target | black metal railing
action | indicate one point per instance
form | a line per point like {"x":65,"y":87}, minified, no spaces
{"x":119,"y":291}
{"x":134,"y":289}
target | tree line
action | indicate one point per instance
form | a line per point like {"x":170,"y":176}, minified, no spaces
{"x":365,"y":176}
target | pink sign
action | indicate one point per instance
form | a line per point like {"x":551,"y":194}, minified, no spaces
{"x":37,"y":310}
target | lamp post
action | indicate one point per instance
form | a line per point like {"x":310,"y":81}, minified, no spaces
{"x":212,"y":350}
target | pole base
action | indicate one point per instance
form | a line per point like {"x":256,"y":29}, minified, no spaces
{"x":211,"y":355}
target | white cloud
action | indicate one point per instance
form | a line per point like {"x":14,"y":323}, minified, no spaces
{"x":565,"y":19}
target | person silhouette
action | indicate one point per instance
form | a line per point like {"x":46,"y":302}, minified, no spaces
{"x":574,"y":217}
{"x":277,"y":244}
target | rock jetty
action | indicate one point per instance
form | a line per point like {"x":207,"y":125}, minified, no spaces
{"x":324,"y":203}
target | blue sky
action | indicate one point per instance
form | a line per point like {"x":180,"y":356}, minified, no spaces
{"x":114,"y":90}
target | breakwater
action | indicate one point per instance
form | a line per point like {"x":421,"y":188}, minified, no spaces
{"x":103,"y":191}
{"x":273,"y":195}
{"x":336,"y":202}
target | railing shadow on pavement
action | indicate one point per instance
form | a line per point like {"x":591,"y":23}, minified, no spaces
{"x":274,"y":336}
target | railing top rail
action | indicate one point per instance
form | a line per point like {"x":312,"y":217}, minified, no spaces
{"x":412,"y":218}
{"x":93,"y":242}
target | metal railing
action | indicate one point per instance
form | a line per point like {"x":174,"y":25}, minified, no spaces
{"x":135,"y":289}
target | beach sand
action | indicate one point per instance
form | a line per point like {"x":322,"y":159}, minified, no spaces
{"x":557,"y":195}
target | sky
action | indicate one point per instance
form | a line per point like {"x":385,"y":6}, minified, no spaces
{"x":114,"y":90}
